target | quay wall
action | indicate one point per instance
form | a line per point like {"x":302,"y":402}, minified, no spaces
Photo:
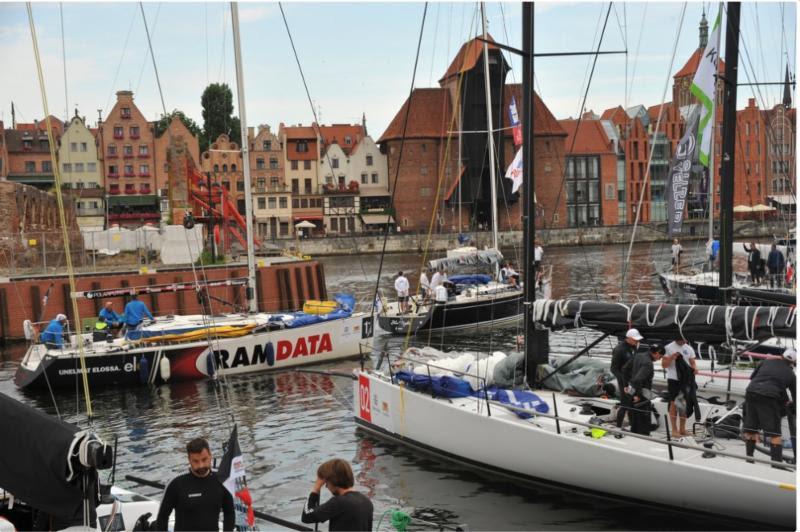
{"x":283,"y":286}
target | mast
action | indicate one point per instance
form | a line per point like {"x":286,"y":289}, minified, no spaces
{"x":489,"y":129}
{"x":728,"y":150}
{"x":248,"y":192}
{"x":711,"y":158}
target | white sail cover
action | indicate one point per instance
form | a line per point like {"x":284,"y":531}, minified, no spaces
{"x":483,"y":256}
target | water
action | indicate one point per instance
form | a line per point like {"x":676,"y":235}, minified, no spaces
{"x":289,"y":423}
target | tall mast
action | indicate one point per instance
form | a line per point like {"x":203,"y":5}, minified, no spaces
{"x":711,"y":158}
{"x":528,"y":210}
{"x":248,"y":191}
{"x":728,"y":150}
{"x":489,"y":127}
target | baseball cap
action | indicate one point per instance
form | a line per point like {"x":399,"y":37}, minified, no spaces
{"x":634,"y":333}
{"x":790,"y":355}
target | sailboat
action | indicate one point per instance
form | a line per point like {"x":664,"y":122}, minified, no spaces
{"x":573,"y":441}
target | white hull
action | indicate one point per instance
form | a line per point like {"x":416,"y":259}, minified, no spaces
{"x":533,"y":449}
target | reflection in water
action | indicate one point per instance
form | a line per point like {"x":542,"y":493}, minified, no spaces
{"x":291,"y":422}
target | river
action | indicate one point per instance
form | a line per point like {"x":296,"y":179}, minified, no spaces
{"x":291,"y":422}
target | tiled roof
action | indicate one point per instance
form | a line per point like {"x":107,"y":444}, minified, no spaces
{"x":429,"y":116}
{"x":466,"y":58}
{"x":58,"y":126}
{"x":614,"y":112}
{"x":300,"y":132}
{"x":691,"y":65}
{"x":591,"y":137}
{"x":337,"y":133}
{"x":14,"y":143}
{"x":654,"y":110}
{"x":544,"y":123}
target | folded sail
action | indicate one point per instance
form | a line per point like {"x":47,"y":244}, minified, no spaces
{"x":484,"y":256}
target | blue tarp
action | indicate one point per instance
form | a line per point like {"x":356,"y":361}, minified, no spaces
{"x":477,"y":278}
{"x":346,"y":303}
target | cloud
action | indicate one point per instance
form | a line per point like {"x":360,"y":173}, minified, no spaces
{"x":255,"y":13}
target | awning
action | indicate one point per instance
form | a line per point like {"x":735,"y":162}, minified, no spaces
{"x":783,"y":199}
{"x":147,"y":200}
{"x":308,"y":217}
{"x":762,"y":208}
{"x":742,"y":208}
{"x":377,"y":219}
{"x":455,"y":184}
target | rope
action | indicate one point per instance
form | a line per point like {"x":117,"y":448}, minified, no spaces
{"x":61,"y":212}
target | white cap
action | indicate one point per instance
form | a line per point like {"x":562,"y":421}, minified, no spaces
{"x":634,"y":333}
{"x":790,"y":355}
{"x":61,"y":317}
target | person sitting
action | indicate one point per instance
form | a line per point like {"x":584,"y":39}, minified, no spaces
{"x":504,"y":273}
{"x":101,"y":330}
{"x":512,"y":275}
{"x":113,"y":320}
{"x":134,"y":313}
{"x":347,"y":509}
{"x":53,"y":335}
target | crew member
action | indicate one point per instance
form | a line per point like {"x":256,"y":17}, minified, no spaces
{"x":753,"y":261}
{"x":347,"y":509}
{"x":677,"y":250}
{"x":640,"y":370}
{"x":674,"y":350}
{"x":538,"y":253}
{"x":100,"y":329}
{"x":401,"y":286}
{"x":712,"y":251}
{"x":512,"y":275}
{"x":425,"y":284}
{"x":438,"y":278}
{"x":53,"y":335}
{"x":197,"y":496}
{"x":621,"y":355}
{"x":775,"y":264}
{"x":113,"y":320}
{"x":765,"y":399}
{"x":134,"y":313}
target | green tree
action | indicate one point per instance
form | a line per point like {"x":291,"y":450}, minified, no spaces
{"x":163,"y":123}
{"x":217,"y":103}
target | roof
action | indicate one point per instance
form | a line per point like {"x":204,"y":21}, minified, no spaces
{"x":300,"y":132}
{"x":14,"y":143}
{"x":428,"y":117}
{"x":58,"y":125}
{"x":654,"y":110}
{"x":591,"y":137}
{"x":336,"y":133}
{"x":544,"y":123}
{"x":691,"y":65}
{"x":467,"y":57}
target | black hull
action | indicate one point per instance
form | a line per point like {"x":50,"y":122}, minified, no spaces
{"x":458,"y":316}
{"x":710,"y":294}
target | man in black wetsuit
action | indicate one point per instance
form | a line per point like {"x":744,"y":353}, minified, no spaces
{"x":640,"y":371}
{"x":621,"y":355}
{"x":197,"y":496}
{"x":347,"y":509}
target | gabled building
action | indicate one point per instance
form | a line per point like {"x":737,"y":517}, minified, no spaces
{"x":222,"y":163}
{"x":81,"y":172}
{"x":301,"y":154}
{"x":28,"y":152}
{"x":272,"y":205}
{"x":371,"y":167}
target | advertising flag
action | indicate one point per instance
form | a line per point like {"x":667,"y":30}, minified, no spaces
{"x":703,"y":89}
{"x":514,"y":172}
{"x":232,"y":475}
{"x":514,"y":120}
{"x":680,"y":169}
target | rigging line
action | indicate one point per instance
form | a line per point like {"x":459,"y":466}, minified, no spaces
{"x":205,"y":23}
{"x":636,"y":56}
{"x":61,"y":211}
{"x":121,"y":59}
{"x":153,"y":57}
{"x":144,"y":62}
{"x":435,"y":34}
{"x":593,"y":60}
{"x":64,"y":61}
{"x":652,"y":151}
{"x":317,"y":126}
{"x":221,"y":74}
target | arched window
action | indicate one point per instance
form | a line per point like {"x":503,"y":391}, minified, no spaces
{"x":224,"y":167}
{"x":233,"y":168}
{"x":216,"y":168}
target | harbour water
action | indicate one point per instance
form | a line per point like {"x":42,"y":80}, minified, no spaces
{"x":290,"y":422}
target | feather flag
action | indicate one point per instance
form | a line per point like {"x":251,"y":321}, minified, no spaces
{"x":232,"y":475}
{"x":703,"y":88}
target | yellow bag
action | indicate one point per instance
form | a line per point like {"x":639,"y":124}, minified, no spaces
{"x":315,"y":306}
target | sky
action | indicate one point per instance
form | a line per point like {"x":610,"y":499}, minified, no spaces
{"x":358,"y":58}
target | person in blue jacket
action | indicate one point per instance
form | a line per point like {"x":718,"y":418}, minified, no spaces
{"x":113,"y":320}
{"x":134,"y":313}
{"x":53,"y":335}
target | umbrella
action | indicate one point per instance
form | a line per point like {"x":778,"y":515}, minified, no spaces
{"x":305,"y":224}
{"x":742,"y":208}
{"x":762,"y":208}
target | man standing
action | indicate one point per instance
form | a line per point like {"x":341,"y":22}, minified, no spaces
{"x":134,"y":313}
{"x":675,"y":350}
{"x":538,"y":253}
{"x":753,"y":261}
{"x":197,"y":496}
{"x":620,"y":356}
{"x":640,"y":369}
{"x":401,"y":286}
{"x":765,"y":399}
{"x":677,"y":249}
{"x":776,"y":265}
{"x":53,"y":335}
{"x":712,"y":251}
{"x":113,"y":320}
{"x":438,"y":278}
{"x":424,"y":284}
{"x":347,"y":509}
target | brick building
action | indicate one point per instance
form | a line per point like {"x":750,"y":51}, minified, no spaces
{"x":3,"y":152}
{"x":272,"y":201}
{"x":28,"y":152}
{"x":301,"y":154}
{"x":223,"y":161}
{"x":81,"y":172}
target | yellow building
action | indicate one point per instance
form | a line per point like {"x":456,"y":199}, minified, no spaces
{"x":81,"y":173}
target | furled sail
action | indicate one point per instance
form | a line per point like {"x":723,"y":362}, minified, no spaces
{"x":482,"y":256}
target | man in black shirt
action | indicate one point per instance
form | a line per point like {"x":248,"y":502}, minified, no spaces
{"x":197,"y":496}
{"x":640,"y":371}
{"x":620,"y":356}
{"x":347,"y":509}
{"x":765,"y":399}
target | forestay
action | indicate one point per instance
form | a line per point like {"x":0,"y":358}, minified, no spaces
{"x":701,"y":323}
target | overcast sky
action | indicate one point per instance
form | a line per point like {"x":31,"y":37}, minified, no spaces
{"x":357,"y":57}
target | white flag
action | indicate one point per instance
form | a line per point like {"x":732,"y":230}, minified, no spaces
{"x":704,"y":90}
{"x":514,"y":172}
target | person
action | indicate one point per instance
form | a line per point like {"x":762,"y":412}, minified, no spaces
{"x":789,"y":274}
{"x":401,"y":286}
{"x":765,"y":399}
{"x":504,"y":273}
{"x":53,"y":335}
{"x":673,"y":351}
{"x":347,"y":509}
{"x":425,"y":284}
{"x":677,"y":250}
{"x":197,"y":497}
{"x":512,"y":275}
{"x":621,"y":355}
{"x":438,"y":278}
{"x":113,"y":320}
{"x":712,"y":251}
{"x":753,"y":261}
{"x":640,"y":378}
{"x":134,"y":313}
{"x":776,"y":265}
{"x":440,"y":294}
{"x":101,"y":329}
{"x":538,"y":253}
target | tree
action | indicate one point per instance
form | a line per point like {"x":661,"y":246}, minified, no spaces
{"x":217,"y":102}
{"x":163,"y":123}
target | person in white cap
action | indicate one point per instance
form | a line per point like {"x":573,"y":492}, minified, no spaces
{"x":53,"y":335}
{"x":620,"y":356}
{"x":766,"y":402}
{"x":674,"y":350}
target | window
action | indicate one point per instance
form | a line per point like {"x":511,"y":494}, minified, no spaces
{"x":113,"y":170}
{"x":73,"y":146}
{"x":334,"y":163}
{"x":284,"y":228}
{"x":112,"y":150}
{"x":295,"y":203}
{"x":84,"y":147}
{"x":118,"y":132}
{"x":260,"y":163}
{"x":143,"y":151}
{"x":79,"y":167}
{"x":583,"y":190}
{"x":144,"y":169}
{"x":129,"y":170}
{"x":348,"y":140}
{"x":127,"y":150}
{"x":261,"y":182}
{"x":374,"y":178}
{"x":302,"y":146}
{"x":423,"y":170}
{"x":267,"y":145}
{"x":134,"y":132}
{"x":239,"y":185}
{"x":126,"y":112}
{"x":274,"y":183}
{"x":44,"y":144}
{"x":283,"y":202}
{"x":307,"y":186}
{"x":262,"y":203}
{"x":216,"y":168}
{"x":294,"y":165}
{"x":304,"y":203}
{"x":747,"y":148}
{"x":295,"y":186}
{"x":306,"y":165}
{"x":233,"y":168}
{"x":758,"y":166}
{"x":335,"y":225}
{"x":27,"y":143}
{"x":364,"y":178}
{"x":66,"y":167}
{"x":747,"y":128}
{"x":369,"y":160}
{"x":424,"y":192}
{"x":224,"y":168}
{"x":47,"y":166}
{"x":272,"y":203}
{"x":273,"y":162}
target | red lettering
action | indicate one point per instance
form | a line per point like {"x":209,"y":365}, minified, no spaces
{"x":325,"y":344}
{"x":301,"y":349}
{"x":314,"y":339}
{"x":363,"y":398}
{"x":284,"y":349}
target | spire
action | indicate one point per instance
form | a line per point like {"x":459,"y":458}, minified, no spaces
{"x":787,"y":91}
{"x":703,"y":31}
{"x":364,"y":121}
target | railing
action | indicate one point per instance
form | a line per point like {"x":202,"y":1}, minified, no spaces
{"x":114,"y":155}
{"x":143,"y":155}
